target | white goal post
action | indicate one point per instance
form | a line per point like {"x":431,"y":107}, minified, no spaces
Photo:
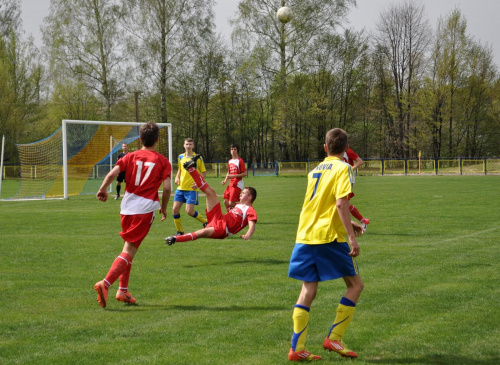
{"x":65,"y":124}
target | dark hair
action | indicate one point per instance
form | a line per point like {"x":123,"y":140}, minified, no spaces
{"x":252,"y":191}
{"x":189,"y":140}
{"x":336,"y":141}
{"x":149,"y":133}
{"x":234,"y":145}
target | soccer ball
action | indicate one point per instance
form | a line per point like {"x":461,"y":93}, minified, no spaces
{"x":284,"y":14}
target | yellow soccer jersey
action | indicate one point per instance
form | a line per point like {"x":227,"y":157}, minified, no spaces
{"x":186,"y":179}
{"x":319,"y":219}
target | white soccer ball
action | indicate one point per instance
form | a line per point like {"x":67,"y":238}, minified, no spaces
{"x":284,"y":14}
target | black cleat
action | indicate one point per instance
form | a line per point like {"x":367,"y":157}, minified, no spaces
{"x":179,"y":233}
{"x":170,"y":240}
{"x":205,"y":224}
{"x":192,"y":162}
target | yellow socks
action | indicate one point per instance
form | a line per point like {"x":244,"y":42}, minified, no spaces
{"x":178,"y":223}
{"x":300,"y":325}
{"x":199,"y":218}
{"x":345,"y":312}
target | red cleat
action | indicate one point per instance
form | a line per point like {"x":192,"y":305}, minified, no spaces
{"x":125,"y":297}
{"x":302,"y":356}
{"x":338,"y":347}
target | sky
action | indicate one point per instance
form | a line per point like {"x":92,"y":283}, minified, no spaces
{"x":481,"y":15}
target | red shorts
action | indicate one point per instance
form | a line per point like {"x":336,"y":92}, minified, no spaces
{"x":350,"y":196}
{"x":136,"y":227}
{"x":217,"y":220}
{"x":232,"y":193}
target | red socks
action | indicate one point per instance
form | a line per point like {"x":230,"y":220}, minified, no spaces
{"x":124,"y":277}
{"x":198,"y":179}
{"x":186,"y":237}
{"x":121,"y":265}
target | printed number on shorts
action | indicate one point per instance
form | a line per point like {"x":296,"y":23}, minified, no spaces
{"x":149,"y":166}
{"x":316,"y":175}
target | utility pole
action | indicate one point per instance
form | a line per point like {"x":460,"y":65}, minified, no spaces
{"x":136,"y":95}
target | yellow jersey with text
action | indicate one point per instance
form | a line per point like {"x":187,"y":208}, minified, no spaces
{"x":186,"y":179}
{"x":320,"y":221}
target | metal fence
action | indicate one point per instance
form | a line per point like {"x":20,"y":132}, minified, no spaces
{"x":438,"y":166}
{"x":372,"y":166}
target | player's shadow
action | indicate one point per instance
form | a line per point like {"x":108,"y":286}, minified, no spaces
{"x":441,"y":359}
{"x":192,"y":308}
{"x":242,"y":262}
{"x":258,"y":261}
{"x":231,"y":308}
{"x":394,"y":234}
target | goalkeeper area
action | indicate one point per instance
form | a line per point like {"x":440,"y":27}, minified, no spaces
{"x":74,"y":160}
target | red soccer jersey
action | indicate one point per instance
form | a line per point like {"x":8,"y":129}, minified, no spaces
{"x":236,"y":166}
{"x":350,"y":156}
{"x":144,"y":172}
{"x":238,"y":217}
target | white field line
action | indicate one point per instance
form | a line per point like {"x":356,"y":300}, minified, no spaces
{"x":471,"y":235}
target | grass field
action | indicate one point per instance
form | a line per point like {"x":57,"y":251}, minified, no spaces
{"x":430,"y":263}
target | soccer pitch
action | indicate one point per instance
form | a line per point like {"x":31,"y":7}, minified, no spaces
{"x":430,"y":263}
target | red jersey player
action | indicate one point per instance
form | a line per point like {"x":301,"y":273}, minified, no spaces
{"x":355,"y":161}
{"x":145,"y":171}
{"x":220,"y":225}
{"x":236,"y":170}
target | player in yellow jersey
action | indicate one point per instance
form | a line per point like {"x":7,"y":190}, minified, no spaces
{"x":185,"y":192}
{"x":321,"y":250}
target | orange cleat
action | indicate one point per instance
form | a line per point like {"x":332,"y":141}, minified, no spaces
{"x":338,"y":347}
{"x":102,"y":293}
{"x":125,"y":297}
{"x":302,"y":356}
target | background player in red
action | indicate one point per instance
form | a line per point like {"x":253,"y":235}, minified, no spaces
{"x":220,"y":225}
{"x":355,"y":161}
{"x":236,"y":170}
{"x":145,"y":171}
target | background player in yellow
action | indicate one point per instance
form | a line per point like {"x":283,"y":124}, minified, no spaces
{"x":321,"y":251}
{"x":185,"y":192}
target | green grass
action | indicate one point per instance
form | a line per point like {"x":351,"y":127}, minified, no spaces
{"x":429,"y":262}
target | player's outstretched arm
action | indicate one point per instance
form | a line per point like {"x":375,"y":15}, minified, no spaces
{"x":251,"y":230}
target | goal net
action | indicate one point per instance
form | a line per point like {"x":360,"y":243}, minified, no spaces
{"x":76,"y":158}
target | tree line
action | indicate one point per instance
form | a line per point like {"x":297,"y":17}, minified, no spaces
{"x":275,"y":89}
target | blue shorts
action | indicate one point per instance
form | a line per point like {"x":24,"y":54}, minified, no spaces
{"x":322,"y":262}
{"x":186,"y":196}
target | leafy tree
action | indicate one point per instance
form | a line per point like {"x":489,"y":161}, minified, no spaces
{"x":451,"y":45}
{"x":83,"y":38}
{"x":20,"y":80}
{"x":478,"y":99}
{"x":403,"y":35}
{"x":10,"y":18}
{"x":164,"y":35}
{"x":280,"y":45}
